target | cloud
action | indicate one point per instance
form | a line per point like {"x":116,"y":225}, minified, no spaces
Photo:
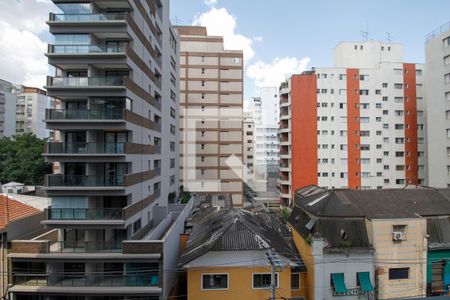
{"x":210,"y":2}
{"x":272,"y":74}
{"x":27,"y":15}
{"x":220,"y":22}
{"x":22,"y":59}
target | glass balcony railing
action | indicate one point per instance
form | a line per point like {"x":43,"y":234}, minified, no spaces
{"x":85,"y":81}
{"x":84,"y":213}
{"x":84,"y":114}
{"x":119,"y":16}
{"x":85,"y":148}
{"x":86,"y":49}
{"x":143,"y":279}
{"x":57,"y":180}
{"x":86,"y":247}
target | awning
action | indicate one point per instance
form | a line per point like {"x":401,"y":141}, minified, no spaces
{"x":364,"y":281}
{"x":339,"y":283}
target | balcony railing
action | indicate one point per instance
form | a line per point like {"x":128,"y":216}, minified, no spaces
{"x":119,"y":16}
{"x":80,"y":114}
{"x":86,"y":49}
{"x":57,"y":180}
{"x":84,"y":213}
{"x":85,"y":81}
{"x":86,"y":247}
{"x":144,"y":279}
{"x":85,"y":148}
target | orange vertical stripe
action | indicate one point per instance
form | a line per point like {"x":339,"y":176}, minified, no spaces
{"x":353,"y":129}
{"x":304,"y":130}
{"x":410,"y":113}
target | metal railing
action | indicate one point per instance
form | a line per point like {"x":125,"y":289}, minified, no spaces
{"x":84,"y":114}
{"x":147,"y":279}
{"x":441,"y":29}
{"x":119,"y":16}
{"x":85,"y":81}
{"x":58,"y":180}
{"x":85,"y":148}
{"x":86,"y":49}
{"x":86,"y":247}
{"x":84,"y":213}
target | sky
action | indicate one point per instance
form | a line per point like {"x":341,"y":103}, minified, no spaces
{"x":279,"y":38}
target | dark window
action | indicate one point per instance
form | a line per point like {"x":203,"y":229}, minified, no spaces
{"x":136,"y":226}
{"x":263,"y":280}
{"x":398,"y":273}
{"x":295,"y":281}
{"x":214,"y":281}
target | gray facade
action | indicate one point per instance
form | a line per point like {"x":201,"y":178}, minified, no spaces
{"x":7,"y":110}
{"x":437,"y":90}
{"x":114,"y":153}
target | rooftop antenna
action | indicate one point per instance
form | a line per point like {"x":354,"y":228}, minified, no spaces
{"x":388,"y":37}
{"x":365,"y":34}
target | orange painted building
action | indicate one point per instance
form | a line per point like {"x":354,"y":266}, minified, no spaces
{"x":356,"y":125}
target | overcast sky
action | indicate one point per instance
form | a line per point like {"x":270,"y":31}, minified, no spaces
{"x":279,"y":38}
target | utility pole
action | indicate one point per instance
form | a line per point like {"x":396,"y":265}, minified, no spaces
{"x":274,"y":263}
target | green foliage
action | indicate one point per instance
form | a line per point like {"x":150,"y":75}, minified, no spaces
{"x":21,"y":160}
{"x":285,"y":214}
{"x":185,"y":197}
{"x":172,"y":197}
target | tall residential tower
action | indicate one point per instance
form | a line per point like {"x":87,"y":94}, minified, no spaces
{"x":359,"y":124}
{"x":115,"y":155}
{"x":211,"y":99}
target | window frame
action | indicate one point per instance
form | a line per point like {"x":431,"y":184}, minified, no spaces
{"x":277,"y":278}
{"x":299,"y":281}
{"x":390,"y":277}
{"x":215,"y":289}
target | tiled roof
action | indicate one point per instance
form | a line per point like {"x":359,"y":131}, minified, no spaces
{"x":237,"y":230}
{"x":374,"y":204}
{"x":12,"y":210}
{"x":439,"y":233}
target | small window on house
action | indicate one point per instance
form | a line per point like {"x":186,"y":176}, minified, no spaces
{"x":214,"y":281}
{"x":136,"y":226}
{"x":398,"y":273}
{"x":295,"y":281}
{"x":264,"y":280}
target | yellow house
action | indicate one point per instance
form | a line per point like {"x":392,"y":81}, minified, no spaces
{"x":234,"y":254}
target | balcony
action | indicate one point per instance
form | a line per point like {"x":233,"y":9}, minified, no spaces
{"x":58,"y":180}
{"x":88,"y":18}
{"x":85,"y":148}
{"x":85,"y":247}
{"x":85,"y":82}
{"x":66,"y":114}
{"x":147,"y":279}
{"x":87,"y":49}
{"x":84,"y":213}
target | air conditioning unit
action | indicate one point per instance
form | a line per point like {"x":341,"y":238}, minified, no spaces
{"x":398,"y":236}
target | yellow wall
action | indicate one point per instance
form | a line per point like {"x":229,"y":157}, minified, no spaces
{"x":240,"y":284}
{"x":306,"y":253}
{"x":411,"y":252}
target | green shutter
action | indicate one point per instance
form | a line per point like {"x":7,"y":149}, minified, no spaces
{"x":339,"y":283}
{"x":364,"y":281}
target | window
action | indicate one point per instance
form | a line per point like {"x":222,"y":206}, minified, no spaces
{"x":214,"y":281}
{"x":364,"y":119}
{"x":447,"y":60}
{"x":398,"y":273}
{"x":136,"y":226}
{"x":378,"y":105}
{"x":365,"y":147}
{"x":385,"y":85}
{"x":172,"y":180}
{"x":342,"y":76}
{"x":398,"y":86}
{"x":264,"y":280}
{"x":363,"y":77}
{"x":172,"y":129}
{"x":364,"y":105}
{"x":447,"y":78}
{"x":399,"y":126}
{"x":172,"y":146}
{"x":398,"y":113}
{"x":236,"y":60}
{"x":446,"y":42}
{"x":399,"y":154}
{"x":295,"y":281}
{"x":364,"y":92}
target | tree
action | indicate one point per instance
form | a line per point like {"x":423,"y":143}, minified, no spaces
{"x":21,"y":160}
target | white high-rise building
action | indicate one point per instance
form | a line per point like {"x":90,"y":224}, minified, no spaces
{"x":31,"y":107}
{"x":7,"y":109}
{"x":437,"y":91}
{"x":359,"y":124}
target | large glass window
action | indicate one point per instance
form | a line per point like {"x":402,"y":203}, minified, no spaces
{"x":72,"y":39}
{"x":263,"y":280}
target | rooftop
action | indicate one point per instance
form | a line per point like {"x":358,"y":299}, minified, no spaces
{"x":12,"y":210}
{"x":237,"y":230}
{"x":374,"y":204}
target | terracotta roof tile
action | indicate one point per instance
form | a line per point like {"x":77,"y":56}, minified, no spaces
{"x":11,"y":210}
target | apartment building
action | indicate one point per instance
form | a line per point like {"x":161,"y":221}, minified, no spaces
{"x":7,"y":109}
{"x":437,"y":91}
{"x":30,"y":110}
{"x":211,"y":99}
{"x":115,"y":156}
{"x":359,"y":124}
{"x":249,"y":145}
